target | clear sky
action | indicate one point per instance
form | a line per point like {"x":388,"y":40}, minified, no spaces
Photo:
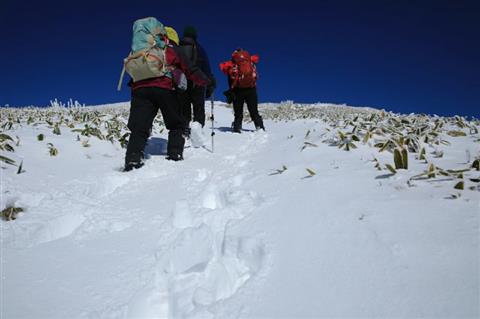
{"x":405,"y":56}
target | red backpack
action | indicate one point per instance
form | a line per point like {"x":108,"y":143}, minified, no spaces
{"x":243,"y":72}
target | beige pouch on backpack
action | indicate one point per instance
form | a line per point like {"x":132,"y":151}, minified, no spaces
{"x":146,"y":64}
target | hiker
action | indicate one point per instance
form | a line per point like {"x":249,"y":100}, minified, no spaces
{"x":195,"y":94}
{"x":242,"y":77}
{"x":150,"y":65}
{"x":180,"y":81}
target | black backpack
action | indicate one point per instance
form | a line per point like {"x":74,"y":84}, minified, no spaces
{"x":190,"y":51}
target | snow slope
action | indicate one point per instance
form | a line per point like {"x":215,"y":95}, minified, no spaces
{"x":220,"y":235}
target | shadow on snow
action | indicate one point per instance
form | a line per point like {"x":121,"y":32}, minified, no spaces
{"x":156,"y":146}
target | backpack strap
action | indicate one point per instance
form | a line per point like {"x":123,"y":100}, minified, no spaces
{"x":164,"y":67}
{"x":119,"y":86}
{"x":194,"y":54}
{"x":236,"y":73}
{"x":122,"y":74}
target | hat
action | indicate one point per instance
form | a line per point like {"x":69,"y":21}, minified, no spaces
{"x":172,"y":35}
{"x":190,"y":32}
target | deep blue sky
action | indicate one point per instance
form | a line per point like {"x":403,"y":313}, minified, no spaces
{"x":405,"y":56}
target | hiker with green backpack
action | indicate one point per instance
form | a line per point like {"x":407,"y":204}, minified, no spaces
{"x":150,"y":65}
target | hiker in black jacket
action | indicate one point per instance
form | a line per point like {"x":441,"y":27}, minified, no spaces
{"x":179,"y":78}
{"x":195,"y":95}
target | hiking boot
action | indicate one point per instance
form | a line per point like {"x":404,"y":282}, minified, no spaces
{"x":259,"y":127}
{"x":236,"y":128}
{"x":133,"y":160}
{"x":132,"y":165}
{"x":175,"y":144}
{"x":175,"y":157}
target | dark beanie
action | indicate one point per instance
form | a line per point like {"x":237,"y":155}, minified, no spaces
{"x":190,"y":32}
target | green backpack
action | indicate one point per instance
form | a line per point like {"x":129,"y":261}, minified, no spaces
{"x":147,"y":57}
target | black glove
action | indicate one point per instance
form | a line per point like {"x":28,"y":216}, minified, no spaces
{"x":213,"y":82}
{"x":209,"y":91}
{"x":230,"y":96}
{"x":211,"y":87}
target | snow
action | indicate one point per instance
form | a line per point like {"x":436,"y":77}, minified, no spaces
{"x":220,"y":235}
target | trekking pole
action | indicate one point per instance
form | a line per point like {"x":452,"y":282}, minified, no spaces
{"x":212,"y":118}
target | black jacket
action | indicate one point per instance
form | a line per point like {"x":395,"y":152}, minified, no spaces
{"x":194,"y":69}
{"x":195,"y":52}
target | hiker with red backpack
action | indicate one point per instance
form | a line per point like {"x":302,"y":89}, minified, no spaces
{"x":150,"y":65}
{"x":242,"y":80}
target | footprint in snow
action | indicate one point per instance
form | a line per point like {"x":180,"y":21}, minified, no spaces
{"x":202,"y":175}
{"x":212,"y":198}
{"x":182,"y":216}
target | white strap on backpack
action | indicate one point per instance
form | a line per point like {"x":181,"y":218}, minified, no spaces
{"x":120,"y":81}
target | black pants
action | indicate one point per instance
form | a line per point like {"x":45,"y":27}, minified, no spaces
{"x":143,"y":109}
{"x":248,"y":95}
{"x":194,"y":95}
